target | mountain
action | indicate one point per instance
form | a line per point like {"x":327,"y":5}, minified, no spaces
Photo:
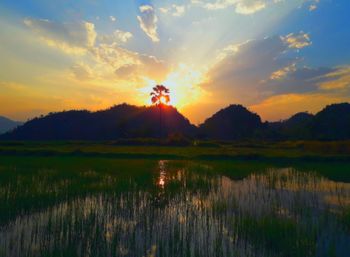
{"x":332,"y":123}
{"x":121,"y":121}
{"x":231,"y":123}
{"x":7,"y":124}
{"x":296,"y":127}
{"x":298,"y":120}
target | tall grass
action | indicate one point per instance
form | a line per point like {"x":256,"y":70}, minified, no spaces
{"x":69,"y":206}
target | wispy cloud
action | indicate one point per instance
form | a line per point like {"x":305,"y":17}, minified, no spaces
{"x":125,"y":64}
{"x":313,"y":4}
{"x":338,"y":79}
{"x":69,"y":37}
{"x":268,"y":75}
{"x":250,"y":7}
{"x":298,"y":41}
{"x":82,"y":71}
{"x":148,"y":22}
{"x":118,"y":36}
{"x":174,"y":10}
{"x":254,"y":70}
{"x":312,"y":7}
{"x":114,"y":55}
{"x":283,"y":72}
{"x":283,"y":106}
{"x":240,"y":6}
{"x":107,"y":57}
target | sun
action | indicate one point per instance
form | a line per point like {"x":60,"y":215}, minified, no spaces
{"x":183,"y":84}
{"x":163,"y":100}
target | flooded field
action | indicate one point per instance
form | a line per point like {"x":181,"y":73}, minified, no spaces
{"x":104,"y":207}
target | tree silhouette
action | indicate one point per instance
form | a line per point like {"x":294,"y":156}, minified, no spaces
{"x":160,"y":97}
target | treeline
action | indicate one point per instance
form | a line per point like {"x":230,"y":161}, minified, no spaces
{"x":126,"y":122}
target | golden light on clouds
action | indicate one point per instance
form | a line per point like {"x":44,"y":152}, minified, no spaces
{"x":241,"y":57}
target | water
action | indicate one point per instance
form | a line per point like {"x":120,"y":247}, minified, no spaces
{"x":172,"y":208}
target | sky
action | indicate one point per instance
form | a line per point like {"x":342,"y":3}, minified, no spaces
{"x":276,"y":57}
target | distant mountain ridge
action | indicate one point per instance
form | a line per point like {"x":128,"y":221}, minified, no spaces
{"x":7,"y":124}
{"x":234,"y":122}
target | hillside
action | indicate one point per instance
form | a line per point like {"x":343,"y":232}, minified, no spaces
{"x":234,"y":122}
{"x":231,"y":123}
{"x":121,"y":121}
{"x":7,"y":124}
{"x":332,"y":123}
{"x":296,"y":127}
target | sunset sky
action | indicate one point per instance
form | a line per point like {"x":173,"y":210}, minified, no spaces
{"x":277,"y":57}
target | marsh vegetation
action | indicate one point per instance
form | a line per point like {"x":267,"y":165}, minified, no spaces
{"x":78,"y":206}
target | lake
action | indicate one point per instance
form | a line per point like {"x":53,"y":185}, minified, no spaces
{"x":76,"y":206}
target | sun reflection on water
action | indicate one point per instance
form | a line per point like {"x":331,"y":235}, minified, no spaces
{"x":162,"y":174}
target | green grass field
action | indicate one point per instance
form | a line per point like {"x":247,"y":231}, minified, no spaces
{"x":306,"y":150}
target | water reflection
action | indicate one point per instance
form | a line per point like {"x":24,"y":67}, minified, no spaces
{"x":190,"y":210}
{"x":162,"y":173}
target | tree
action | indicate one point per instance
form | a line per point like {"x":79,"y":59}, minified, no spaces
{"x":160,"y":97}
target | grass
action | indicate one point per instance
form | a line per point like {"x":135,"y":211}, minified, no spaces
{"x":345,"y":217}
{"x":33,"y":183}
{"x":277,"y":236}
{"x":301,"y":150}
{"x":37,"y":182}
{"x":262,"y":208}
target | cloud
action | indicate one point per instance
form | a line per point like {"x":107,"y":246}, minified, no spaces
{"x":118,"y":36}
{"x":338,"y":79}
{"x":240,"y":6}
{"x":114,"y":55}
{"x":250,"y":7}
{"x":179,"y":10}
{"x":70,"y":37}
{"x":284,"y":106}
{"x":313,"y":4}
{"x":148,"y":22}
{"x":164,"y":10}
{"x":247,"y":7}
{"x":240,"y":73}
{"x":112,"y":18}
{"x":119,"y":63}
{"x":299,"y":80}
{"x":312,"y":7}
{"x":254,"y":70}
{"x":174,"y":10}
{"x":82,"y":71}
{"x":283,"y":72}
{"x":147,"y":66}
{"x":258,"y":72}
{"x":297,"y":41}
{"x":104,"y":57}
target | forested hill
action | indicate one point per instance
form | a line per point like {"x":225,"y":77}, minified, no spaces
{"x":234,"y":122}
{"x":121,"y":121}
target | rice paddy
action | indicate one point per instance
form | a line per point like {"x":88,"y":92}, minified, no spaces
{"x":79,"y":206}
